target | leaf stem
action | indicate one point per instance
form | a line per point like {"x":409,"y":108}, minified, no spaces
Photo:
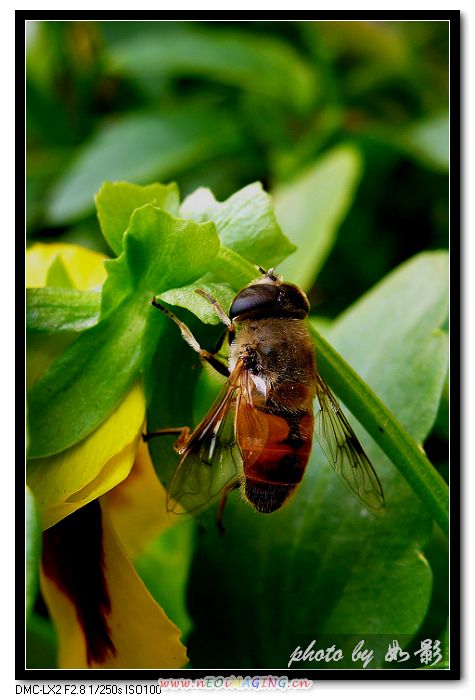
{"x":385,"y":429}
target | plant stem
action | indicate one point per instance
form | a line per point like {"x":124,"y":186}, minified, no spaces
{"x":385,"y":429}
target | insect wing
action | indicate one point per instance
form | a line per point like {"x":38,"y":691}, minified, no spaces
{"x":252,"y":424}
{"x":211,"y":460}
{"x":344,"y":451}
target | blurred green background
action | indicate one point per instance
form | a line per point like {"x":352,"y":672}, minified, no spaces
{"x":222,"y":104}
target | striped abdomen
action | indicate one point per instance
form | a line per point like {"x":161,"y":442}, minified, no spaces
{"x":275,"y":450}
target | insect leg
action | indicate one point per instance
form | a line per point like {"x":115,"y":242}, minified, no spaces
{"x":182,"y":432}
{"x":219,"y":516}
{"x":181,"y":442}
{"x":192,"y":342}
{"x":219,"y":344}
{"x":218,"y":308}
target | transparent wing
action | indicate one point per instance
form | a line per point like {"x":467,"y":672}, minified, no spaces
{"x":211,"y":461}
{"x":343,"y":450}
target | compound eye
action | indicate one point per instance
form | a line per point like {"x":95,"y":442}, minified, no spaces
{"x":254,"y":300}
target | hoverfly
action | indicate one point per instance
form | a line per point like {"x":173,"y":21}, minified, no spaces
{"x":258,"y":434}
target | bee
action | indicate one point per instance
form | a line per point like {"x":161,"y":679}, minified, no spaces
{"x":258,"y":434}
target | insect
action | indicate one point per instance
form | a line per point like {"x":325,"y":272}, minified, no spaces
{"x":258,"y":434}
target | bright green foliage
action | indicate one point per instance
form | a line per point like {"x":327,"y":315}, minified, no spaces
{"x":186,"y":297}
{"x":161,"y":254}
{"x":116,"y":201}
{"x":53,"y":310}
{"x":58,"y":276}
{"x":427,"y":303}
{"x":32,"y":550}
{"x":154,"y":243}
{"x":248,"y":231}
{"x":415,"y":297}
{"x":84,"y":384}
{"x":246,"y":223}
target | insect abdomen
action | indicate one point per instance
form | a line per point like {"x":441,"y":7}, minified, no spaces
{"x":274,"y":457}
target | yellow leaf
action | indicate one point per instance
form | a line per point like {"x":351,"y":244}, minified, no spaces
{"x":137,"y":506}
{"x":132,"y":628}
{"x":84,"y":267}
{"x":65,"y":482}
{"x":135,"y":630}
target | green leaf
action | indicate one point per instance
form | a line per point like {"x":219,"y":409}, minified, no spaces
{"x":84,"y":384}
{"x":42,"y":349}
{"x":441,"y":425}
{"x":140,"y":147}
{"x":32,"y":550}
{"x":428,"y":142}
{"x":53,"y":310}
{"x":58,"y":275}
{"x":404,"y":452}
{"x":116,"y":201}
{"x":232,"y":267}
{"x":187,"y":298}
{"x":435,"y":622}
{"x":311,"y":208}
{"x":41,"y":643}
{"x":422,"y":285}
{"x":245,"y":221}
{"x":355,"y":576}
{"x":172,"y":373}
{"x":248,"y":232}
{"x":160,"y":252}
{"x":415,"y":298}
{"x":260,"y":64}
